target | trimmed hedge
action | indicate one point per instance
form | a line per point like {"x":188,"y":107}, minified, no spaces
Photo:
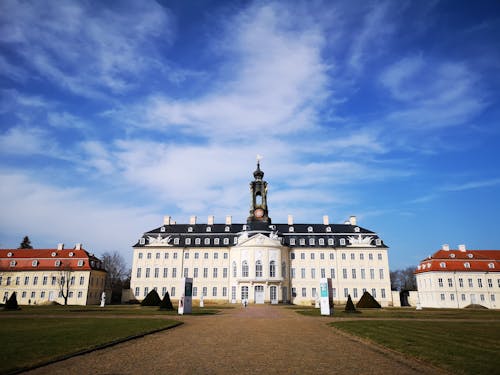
{"x":368,"y":302}
{"x":152,"y":299}
{"x":11,"y":303}
{"x":166,"y":304}
{"x":349,"y":307}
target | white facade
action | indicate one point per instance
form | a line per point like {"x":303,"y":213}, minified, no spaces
{"x":458,"y":278}
{"x":261,"y":269}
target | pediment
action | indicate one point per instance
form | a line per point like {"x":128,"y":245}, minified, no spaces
{"x":258,"y":240}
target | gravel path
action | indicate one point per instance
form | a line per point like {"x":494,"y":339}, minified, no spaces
{"x":259,"y":339}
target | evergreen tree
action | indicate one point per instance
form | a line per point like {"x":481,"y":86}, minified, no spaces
{"x":349,"y":307}
{"x":166,"y":304}
{"x":11,"y":303}
{"x":368,"y":302}
{"x":26,"y":244}
{"x":152,"y":299}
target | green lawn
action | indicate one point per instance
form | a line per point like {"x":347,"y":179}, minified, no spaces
{"x":28,"y":342}
{"x":462,"y":347}
{"x":107,"y":310}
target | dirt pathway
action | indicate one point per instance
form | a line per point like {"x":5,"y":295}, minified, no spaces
{"x":259,"y":339}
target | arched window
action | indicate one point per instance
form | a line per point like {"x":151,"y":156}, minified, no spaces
{"x":235,"y":270}
{"x":272,"y":269}
{"x":244,"y":269}
{"x":258,"y":269}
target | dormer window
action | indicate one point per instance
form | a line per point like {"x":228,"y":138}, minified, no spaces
{"x":467,"y":265}
{"x":321,"y":241}
{"x":452,"y":255}
{"x":12,"y":263}
{"x":291,"y":229}
{"x":72,"y":253}
{"x":207,"y":241}
{"x":57,"y":263}
{"x":302,"y":241}
{"x":227,"y":229}
{"x":209,"y":229}
{"x":34,"y":263}
{"x":9,"y":254}
{"x":292,"y":241}
{"x":197,"y":241}
{"x":245,"y":227}
{"x":311,"y":241}
{"x":188,"y":241}
{"x":142,"y":241}
{"x":226,"y":241}
{"x":216,"y":241}
{"x":342,"y":241}
{"x":309,"y":229}
{"x":378,"y":242}
{"x":356,"y":229}
{"x":162,"y":229}
{"x":272,"y":227}
{"x":80,"y":263}
{"x":470,"y":255}
{"x":491,"y":265}
{"x":442,"y":265}
{"x":53,"y":254}
{"x":328,"y":229}
{"x":190,"y":229}
{"x":176,"y":241}
{"x":330,"y":242}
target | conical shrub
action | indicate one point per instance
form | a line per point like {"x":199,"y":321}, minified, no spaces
{"x":11,"y":303}
{"x":152,"y":299}
{"x":368,"y":302}
{"x":349,"y":307}
{"x":166,"y":304}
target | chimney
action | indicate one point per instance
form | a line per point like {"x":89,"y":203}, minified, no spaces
{"x":462,"y":248}
{"x":166,"y":220}
{"x":290,"y":219}
{"x":192,"y":220}
{"x":229,"y":220}
{"x":78,"y":246}
{"x":353,"y":220}
{"x":325,"y":220}
{"x":60,"y":246}
{"x":211,"y":219}
{"x":445,"y":247}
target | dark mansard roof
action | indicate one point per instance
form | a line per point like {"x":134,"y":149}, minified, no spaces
{"x":205,"y":235}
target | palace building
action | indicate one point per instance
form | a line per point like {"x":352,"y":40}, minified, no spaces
{"x":458,"y":278}
{"x":41,"y":276}
{"x":261,"y":261}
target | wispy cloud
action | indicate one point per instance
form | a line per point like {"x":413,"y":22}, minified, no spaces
{"x":471,"y":185}
{"x":81,"y":47}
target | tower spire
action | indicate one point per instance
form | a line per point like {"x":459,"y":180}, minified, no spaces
{"x":258,"y":190}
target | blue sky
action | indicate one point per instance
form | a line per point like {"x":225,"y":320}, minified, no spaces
{"x":113,"y":114}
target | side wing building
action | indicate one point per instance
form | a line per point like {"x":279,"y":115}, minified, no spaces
{"x":259,"y":260}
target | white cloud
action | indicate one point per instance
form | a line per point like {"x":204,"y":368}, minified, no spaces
{"x":273,"y":82}
{"x":50,"y":214}
{"x":25,"y":142}
{"x":472,"y":185}
{"x":84,"y":47}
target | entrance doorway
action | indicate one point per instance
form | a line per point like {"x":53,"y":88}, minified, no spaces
{"x":273,"y":294}
{"x":259,"y":294}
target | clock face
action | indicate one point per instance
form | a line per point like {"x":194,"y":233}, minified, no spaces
{"x":259,"y":212}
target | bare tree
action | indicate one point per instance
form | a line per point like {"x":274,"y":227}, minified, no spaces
{"x":26,"y":243}
{"x":65,"y":281}
{"x":118,"y":273}
{"x":404,"y":279}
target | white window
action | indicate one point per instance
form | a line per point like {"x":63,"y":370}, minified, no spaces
{"x":195,"y":291}
{"x":440,"y":282}
{"x":157,"y":255}
{"x":205,"y":273}
{"x":480,"y":283}
{"x":166,"y":256}
{"x":313,"y":273}
{"x":303,"y":273}
{"x":174,"y":272}
{"x":470,"y":283}
{"x":226,"y":255}
{"x":304,"y":292}
{"x":244,"y":292}
{"x":332,"y":273}
{"x":140,"y":255}
{"x":321,"y":241}
{"x":214,"y":291}
{"x":461,"y":283}
{"x":216,"y":241}
{"x":442,"y":265}
{"x":224,"y":273}
{"x":363,"y":273}
{"x":216,"y":255}
{"x":379,"y":256}
{"x":272,"y":269}
{"x":361,"y":256}
{"x":224,"y":292}
{"x":343,"y":256}
{"x":146,"y":291}
{"x":157,"y":272}
{"x":197,"y":241}
{"x":172,"y":291}
{"x":450,"y":283}
{"x":207,"y":241}
{"x":342,"y":241}
{"x":332,"y":256}
{"x":195,"y":272}
{"x":311,"y":241}
{"x":186,"y":255}
{"x":204,"y":291}
{"x":323,"y":273}
{"x":187,"y":241}
{"x":353,"y":256}
{"x":176,"y":241}
{"x":374,"y":293}
{"x":344,"y":273}
{"x":355,"y":293}
{"x":330,"y":242}
{"x":372,"y":273}
{"x":226,"y":241}
{"x":292,"y":273}
{"x":235,"y":269}
{"x":312,"y":256}
{"x":205,"y":255}
{"x":292,"y":241}
{"x":215,"y":270}
{"x":467,"y":265}
{"x":34,"y":263}
{"x":12,"y":263}
{"x":381,"y":273}
{"x":258,"y":269}
{"x":165,"y":272}
{"x":353,"y":273}
{"x":370,"y":256}
{"x":148,"y":272}
{"x":244,"y":269}
{"x":309,"y":229}
{"x":382,"y":292}
{"x":346,"y":292}
{"x":302,"y":241}
{"x":149,"y":256}
{"x":186,"y":272}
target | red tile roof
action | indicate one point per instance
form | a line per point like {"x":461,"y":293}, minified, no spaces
{"x":47,"y":259}
{"x":458,"y":260}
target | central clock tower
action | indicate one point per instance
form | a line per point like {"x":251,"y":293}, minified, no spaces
{"x":258,"y":190}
